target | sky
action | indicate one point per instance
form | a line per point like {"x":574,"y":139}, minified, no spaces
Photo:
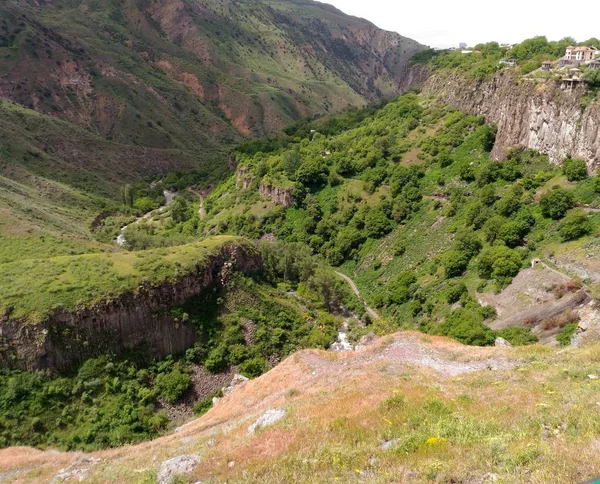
{"x":443,"y":23}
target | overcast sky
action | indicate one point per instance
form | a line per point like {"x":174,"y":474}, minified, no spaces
{"x":443,"y":23}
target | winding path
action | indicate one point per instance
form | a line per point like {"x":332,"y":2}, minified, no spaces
{"x":355,"y":290}
{"x":201,"y":210}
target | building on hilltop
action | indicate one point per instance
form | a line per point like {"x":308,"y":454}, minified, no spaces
{"x":578,"y":55}
{"x":547,"y":65}
{"x":462,"y":45}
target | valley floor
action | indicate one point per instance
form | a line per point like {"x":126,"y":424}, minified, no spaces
{"x":406,"y":408}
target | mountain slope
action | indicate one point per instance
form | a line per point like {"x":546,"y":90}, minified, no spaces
{"x":206,"y":71}
{"x":404,"y":409}
{"x":106,"y":92}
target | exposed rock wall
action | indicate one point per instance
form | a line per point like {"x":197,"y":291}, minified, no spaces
{"x":537,"y":115}
{"x":133,"y":320}
{"x":279,"y":195}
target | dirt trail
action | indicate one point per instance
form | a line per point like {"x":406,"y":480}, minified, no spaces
{"x":355,"y":290}
{"x":201,"y":209}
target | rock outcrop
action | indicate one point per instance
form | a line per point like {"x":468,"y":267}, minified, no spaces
{"x":279,"y":195}
{"x":529,"y":114}
{"x":137,"y":319}
{"x":172,"y":469}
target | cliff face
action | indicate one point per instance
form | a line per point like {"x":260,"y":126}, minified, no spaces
{"x":279,"y":195}
{"x":540,"y":116}
{"x":133,"y":320}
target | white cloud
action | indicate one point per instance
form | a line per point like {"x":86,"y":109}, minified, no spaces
{"x":442,"y":23}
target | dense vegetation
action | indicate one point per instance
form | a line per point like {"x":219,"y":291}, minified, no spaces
{"x":407,"y":200}
{"x":484,"y":60}
{"x":402,"y":197}
{"x":250,"y":325}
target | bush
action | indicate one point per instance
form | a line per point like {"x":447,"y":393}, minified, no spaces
{"x":467,"y":327}
{"x":171,"y":386}
{"x":455,"y":263}
{"x":575,"y":170}
{"x":402,"y":288}
{"x":455,"y":291}
{"x":556,"y":203}
{"x":575,"y":225}
{"x":203,"y":406}
{"x":499,"y":263}
{"x":377,"y":224}
{"x":564,"y":337}
{"x":253,"y":367}
{"x":518,"y":336}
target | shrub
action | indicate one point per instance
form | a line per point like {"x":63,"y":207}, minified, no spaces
{"x":575,"y":225}
{"x":575,"y":170}
{"x":396,"y":402}
{"x":377,"y":224}
{"x":253,"y":367}
{"x":562,"y":320}
{"x":488,"y":312}
{"x":402,"y":288}
{"x":499,"y":263}
{"x":455,"y":291}
{"x":564,"y":337}
{"x":203,"y":406}
{"x":556,"y":203}
{"x":455,"y":263}
{"x":171,"y":386}
{"x":518,"y":336}
{"x":466,"y":326}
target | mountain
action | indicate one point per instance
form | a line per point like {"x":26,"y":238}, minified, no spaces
{"x":193,"y":75}
{"x":106,"y":92}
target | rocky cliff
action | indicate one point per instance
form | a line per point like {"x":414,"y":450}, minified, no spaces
{"x":138,"y":319}
{"x":278,"y":195}
{"x":538,"y":115}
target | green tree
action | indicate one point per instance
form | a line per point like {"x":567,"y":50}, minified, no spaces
{"x":172,"y":385}
{"x":180,"y":211}
{"x":328,"y":287}
{"x":499,"y":263}
{"x":575,"y":225}
{"x":593,"y":77}
{"x":291,"y":160}
{"x":575,"y":170}
{"x":312,"y":172}
{"x":377,"y":223}
{"x":127,"y":195}
{"x":555,"y":203}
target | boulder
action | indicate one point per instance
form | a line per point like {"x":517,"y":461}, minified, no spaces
{"x":268,"y":418}
{"x":502,"y":342}
{"x":177,"y":466}
{"x":235,"y":382}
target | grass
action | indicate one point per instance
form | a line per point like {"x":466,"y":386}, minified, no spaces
{"x":510,"y":424}
{"x":34,"y":287}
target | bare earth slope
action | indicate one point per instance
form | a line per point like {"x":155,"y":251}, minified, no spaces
{"x":408,"y":408}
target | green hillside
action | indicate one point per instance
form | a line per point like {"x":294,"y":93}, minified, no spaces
{"x":408,"y":203}
{"x":106,"y":93}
